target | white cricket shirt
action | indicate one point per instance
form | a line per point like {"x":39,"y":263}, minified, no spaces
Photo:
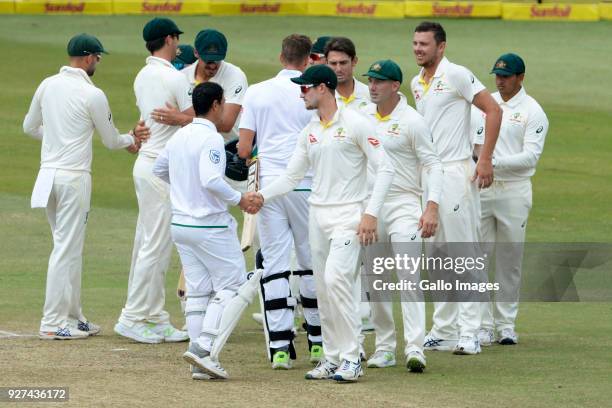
{"x":358,"y":99}
{"x":521,"y":136}
{"x":158,"y":83}
{"x":407,"y":142}
{"x":193,"y":162}
{"x":445,"y":104}
{"x":274,"y":110}
{"x":63,"y":114}
{"x":234,"y":83}
{"x":338,"y":153}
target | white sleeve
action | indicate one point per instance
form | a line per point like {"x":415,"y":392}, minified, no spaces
{"x":181,"y":91}
{"x":33,"y":122}
{"x":103,"y":122}
{"x":161,"y":167}
{"x":533,"y":145}
{"x":477,"y":126}
{"x":294,"y":173}
{"x":375,"y":154}
{"x":466,"y":83}
{"x":247,"y":116}
{"x":236,"y":89}
{"x":212,"y":170}
{"x":426,"y":153}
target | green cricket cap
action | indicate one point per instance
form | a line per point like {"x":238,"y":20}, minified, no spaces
{"x":159,"y":27}
{"x":319,"y":45}
{"x":316,"y":75}
{"x":84,"y":44}
{"x":211,"y":45}
{"x":387,"y":70}
{"x":509,"y":64}
{"x":184,"y":54}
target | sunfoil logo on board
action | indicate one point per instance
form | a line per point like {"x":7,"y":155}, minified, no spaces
{"x":64,"y":7}
{"x":165,"y":7}
{"x":554,"y":11}
{"x":260,"y":8}
{"x":361,"y":8}
{"x":456,"y":10}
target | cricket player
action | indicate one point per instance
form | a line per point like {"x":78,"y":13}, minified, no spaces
{"x":341,"y":56}
{"x":158,"y":83}
{"x":193,"y":163}
{"x":184,"y":57}
{"x":274,"y":112}
{"x":64,"y":112}
{"x":444,"y":93}
{"x":317,"y":52}
{"x":506,"y":203}
{"x":407,"y":142}
{"x":337,"y":144}
{"x":211,"y":49}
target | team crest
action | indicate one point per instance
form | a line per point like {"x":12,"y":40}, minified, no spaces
{"x":312,"y":138}
{"x":212,"y":49}
{"x":373,"y":141}
{"x":501,"y":64}
{"x":394,"y":129}
{"x":340,"y":133}
{"x":214,"y":156}
{"x":375,"y":67}
{"x":516,"y":117}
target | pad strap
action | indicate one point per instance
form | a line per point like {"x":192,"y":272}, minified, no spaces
{"x":309,"y":303}
{"x":282,"y":303}
{"x":281,"y":335}
{"x":280,"y":275}
{"x":305,"y":272}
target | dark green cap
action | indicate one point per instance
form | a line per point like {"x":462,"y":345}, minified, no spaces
{"x":159,"y":27}
{"x":508,"y":64}
{"x":387,"y":70}
{"x":184,"y":54}
{"x":319,"y":46}
{"x":318,"y":74}
{"x":211,"y":45}
{"x":84,"y":44}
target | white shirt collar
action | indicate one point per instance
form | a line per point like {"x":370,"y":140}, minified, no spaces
{"x":516,"y":99}
{"x":205,"y":122}
{"x":159,"y":61}
{"x":288,"y":73}
{"x":78,"y":72}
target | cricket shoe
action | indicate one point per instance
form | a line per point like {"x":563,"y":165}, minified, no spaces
{"x":316,"y":353}
{"x":381,"y":359}
{"x":415,"y":361}
{"x":199,"y":357}
{"x":197,"y":374}
{"x":434,"y":343}
{"x":508,"y":337}
{"x":89,"y":327}
{"x":281,"y":360}
{"x":63,"y":333}
{"x":467,"y":345}
{"x":323,"y":371}
{"x":348,"y":372}
{"x":169,"y":333}
{"x":139,"y":332}
{"x":486,"y":337}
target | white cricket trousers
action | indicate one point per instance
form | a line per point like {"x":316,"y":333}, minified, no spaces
{"x":282,"y":226}
{"x":459,"y":211}
{"x":336,"y":257}
{"x":67,"y":212}
{"x":398,"y":224}
{"x":213,"y":265}
{"x":152,"y":248}
{"x":505,"y":210}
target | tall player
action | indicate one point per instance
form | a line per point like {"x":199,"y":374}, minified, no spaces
{"x":143,"y":318}
{"x":444,"y":93}
{"x":506,"y":203}
{"x":275,"y":115}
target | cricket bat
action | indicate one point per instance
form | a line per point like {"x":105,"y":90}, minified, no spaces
{"x":249,"y":220}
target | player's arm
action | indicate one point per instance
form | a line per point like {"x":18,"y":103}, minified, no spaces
{"x":247,"y":128}
{"x":230,"y":114}
{"x":493,"y":115}
{"x":245,"y":143}
{"x":161,"y":168}
{"x":102,"y":118}
{"x":212,"y":169}
{"x":426,"y":153}
{"x":180,"y":114}
{"x":533,"y":144}
{"x":33,"y":123}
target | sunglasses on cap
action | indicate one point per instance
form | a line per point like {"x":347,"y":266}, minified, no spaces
{"x":317,"y":57}
{"x":306,"y":88}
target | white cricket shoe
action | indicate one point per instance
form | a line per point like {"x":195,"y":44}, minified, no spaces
{"x":323,"y":371}
{"x":63,"y":333}
{"x":434,"y":343}
{"x":486,"y":337}
{"x":199,"y":357}
{"x":169,"y":333}
{"x":258,"y":317}
{"x":508,"y":337}
{"x":348,"y":371}
{"x":415,"y":361}
{"x":139,"y":332}
{"x":87,"y":326}
{"x":381,"y":359}
{"x":467,"y":345}
{"x":197,"y":374}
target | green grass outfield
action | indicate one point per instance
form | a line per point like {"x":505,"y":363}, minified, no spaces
{"x":563,"y":358}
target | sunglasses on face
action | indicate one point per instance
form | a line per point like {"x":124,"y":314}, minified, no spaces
{"x":316,"y":57}
{"x":305,"y":88}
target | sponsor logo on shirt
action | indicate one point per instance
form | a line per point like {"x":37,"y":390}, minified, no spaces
{"x":312,"y":139}
{"x":340,"y":133}
{"x":373,"y":141}
{"x":516,"y":117}
{"x":417,"y":96}
{"x":480,"y":130}
{"x":214,"y":156}
{"x":394,"y":129}
{"x":237,"y":91}
{"x":540,"y":129}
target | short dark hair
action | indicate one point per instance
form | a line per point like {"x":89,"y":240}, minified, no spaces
{"x":158,"y":43}
{"x":435,"y":28}
{"x":204,"y":95}
{"x":296,"y":48}
{"x":341,"y":44}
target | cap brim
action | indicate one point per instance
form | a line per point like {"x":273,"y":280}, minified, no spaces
{"x":212,"y":57}
{"x":377,"y":76}
{"x":301,"y":81}
{"x":502,"y":72}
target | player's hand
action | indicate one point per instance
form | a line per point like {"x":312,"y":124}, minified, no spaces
{"x":169,"y":116}
{"x":133,"y":148}
{"x":483,"y":173}
{"x":141,"y":132}
{"x":429,"y":220}
{"x":367,"y":230}
{"x":251,"y":202}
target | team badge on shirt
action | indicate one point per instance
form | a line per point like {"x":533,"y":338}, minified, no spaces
{"x":340,"y":133}
{"x":312,"y":138}
{"x":394,"y":129}
{"x":214,"y":156}
{"x":516,"y":117}
{"x":373,"y":141}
